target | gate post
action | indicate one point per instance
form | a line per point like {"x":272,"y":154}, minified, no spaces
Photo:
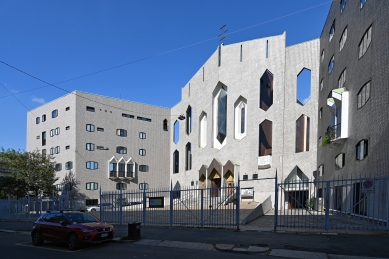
{"x":276,"y":203}
{"x":327,"y":205}
{"x":201,"y":207}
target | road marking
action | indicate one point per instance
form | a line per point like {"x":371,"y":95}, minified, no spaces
{"x":29,"y":244}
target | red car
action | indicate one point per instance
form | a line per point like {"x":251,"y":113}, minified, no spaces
{"x":73,"y":227}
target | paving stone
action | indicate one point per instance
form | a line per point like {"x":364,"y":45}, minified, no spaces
{"x":224,"y":247}
{"x":257,"y":249}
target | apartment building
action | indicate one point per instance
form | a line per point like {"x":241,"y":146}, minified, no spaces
{"x":353,"y":125}
{"x":108,"y":144}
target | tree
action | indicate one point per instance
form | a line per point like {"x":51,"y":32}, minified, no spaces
{"x":71,"y":191}
{"x":31,"y":173}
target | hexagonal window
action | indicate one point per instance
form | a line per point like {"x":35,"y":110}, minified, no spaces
{"x":303,"y":86}
{"x":266,"y":91}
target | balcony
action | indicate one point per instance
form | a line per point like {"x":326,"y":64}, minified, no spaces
{"x":264,"y":162}
{"x":338,"y":104}
{"x":121,"y":176}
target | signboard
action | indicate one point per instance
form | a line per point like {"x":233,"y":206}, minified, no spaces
{"x":247,"y":193}
{"x":156,"y":202}
{"x":368,"y":186}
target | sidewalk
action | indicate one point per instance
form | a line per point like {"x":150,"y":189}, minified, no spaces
{"x":282,"y":244}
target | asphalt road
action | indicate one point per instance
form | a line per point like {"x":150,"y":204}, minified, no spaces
{"x":18,"y":245}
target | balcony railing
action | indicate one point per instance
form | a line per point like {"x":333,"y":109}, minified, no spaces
{"x":334,"y":132}
{"x":130,"y":174}
{"x":121,"y":173}
{"x":112,"y":174}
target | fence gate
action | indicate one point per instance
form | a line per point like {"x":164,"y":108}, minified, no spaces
{"x":184,"y":207}
{"x":353,"y":204}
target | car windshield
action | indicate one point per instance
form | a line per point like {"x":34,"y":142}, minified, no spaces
{"x":76,"y":218}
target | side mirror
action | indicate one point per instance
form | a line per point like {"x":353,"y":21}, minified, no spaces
{"x":63,"y":223}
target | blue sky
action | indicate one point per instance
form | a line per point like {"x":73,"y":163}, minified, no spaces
{"x":61,"y":40}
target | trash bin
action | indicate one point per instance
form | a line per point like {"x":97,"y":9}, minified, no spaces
{"x":134,"y":230}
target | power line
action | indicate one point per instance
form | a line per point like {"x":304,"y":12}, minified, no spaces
{"x":167,"y":52}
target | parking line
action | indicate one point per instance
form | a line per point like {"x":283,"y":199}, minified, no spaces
{"x":29,"y":244}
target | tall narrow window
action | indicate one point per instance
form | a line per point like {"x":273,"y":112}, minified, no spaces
{"x":342,"y":79}
{"x":265,"y":138}
{"x":339,"y":161}
{"x":203,"y":130}
{"x":142,"y":152}
{"x":322,"y":56}
{"x":321,"y":84}
{"x":361,"y":149}
{"x":267,"y":49}
{"x":113,"y":169}
{"x":203,"y":75}
{"x":44,"y":138}
{"x":365,"y":42}
{"x":342,"y":5}
{"x":332,"y":30}
{"x":54,"y":113}
{"x":363,"y":95}
{"x":142,"y":135}
{"x":240,"y":118}
{"x":165,"y":125}
{"x":43,"y":117}
{"x":222,"y":116}
{"x":302,"y":134}
{"x":176,"y":162}
{"x":320,"y":170}
{"x":188,"y":159}
{"x":241,"y":53}
{"x":189,"y":120}
{"x":37,"y":120}
{"x":343,"y":39}
{"x":176,"y":134}
{"x":331,"y":65}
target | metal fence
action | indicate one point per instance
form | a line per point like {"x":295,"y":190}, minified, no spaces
{"x":185,"y":207}
{"x":353,"y":204}
{"x":31,"y":207}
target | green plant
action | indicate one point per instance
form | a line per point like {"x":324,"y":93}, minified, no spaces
{"x":309,"y":203}
{"x":326,"y":141}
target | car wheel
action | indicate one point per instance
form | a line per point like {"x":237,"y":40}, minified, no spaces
{"x":37,"y":239}
{"x":93,"y":210}
{"x":73,"y":242}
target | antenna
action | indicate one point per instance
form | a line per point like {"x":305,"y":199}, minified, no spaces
{"x":222,"y":34}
